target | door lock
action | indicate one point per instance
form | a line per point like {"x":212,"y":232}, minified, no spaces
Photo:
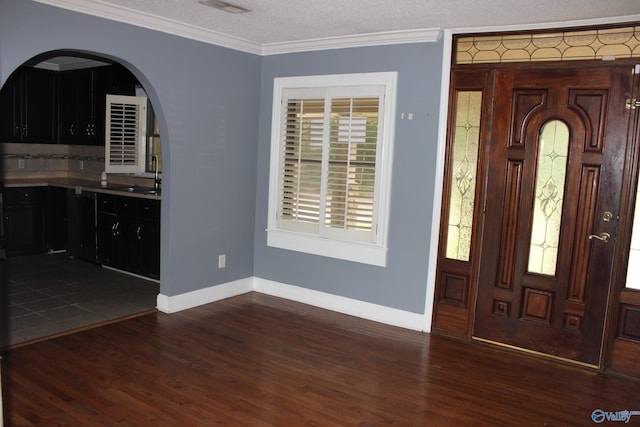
{"x":603,"y":237}
{"x":607,"y":216}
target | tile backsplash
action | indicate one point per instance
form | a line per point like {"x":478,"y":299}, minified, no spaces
{"x":50,"y":160}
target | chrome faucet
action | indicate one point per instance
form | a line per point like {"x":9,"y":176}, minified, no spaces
{"x":157,"y":180}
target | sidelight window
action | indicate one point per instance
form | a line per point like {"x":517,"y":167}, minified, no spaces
{"x":463,"y":174}
{"x":331,"y":153}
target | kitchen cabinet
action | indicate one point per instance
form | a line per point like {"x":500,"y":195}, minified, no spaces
{"x":24,"y":216}
{"x":28,"y":107}
{"x":120,"y":81}
{"x":57,"y":219}
{"x":81,"y":229}
{"x":81,"y":99}
{"x":129,"y":234}
{"x":67,"y":107}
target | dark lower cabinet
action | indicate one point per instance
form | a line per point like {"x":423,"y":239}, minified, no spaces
{"x":148,"y":236}
{"x":24,"y":216}
{"x":57,"y":219}
{"x":129,"y":234}
{"x":81,"y":227}
{"x":118,"y":231}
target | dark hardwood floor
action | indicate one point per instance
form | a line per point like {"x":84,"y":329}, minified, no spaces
{"x":255,"y":360}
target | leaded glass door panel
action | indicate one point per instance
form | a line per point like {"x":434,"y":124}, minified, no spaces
{"x":556,"y":157}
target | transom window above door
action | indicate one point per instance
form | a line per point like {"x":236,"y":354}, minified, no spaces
{"x":570,"y":45}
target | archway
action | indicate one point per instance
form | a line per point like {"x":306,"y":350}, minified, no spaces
{"x":53,"y":150}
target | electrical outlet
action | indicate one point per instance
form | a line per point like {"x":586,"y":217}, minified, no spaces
{"x":20,"y":163}
{"x":222,"y":261}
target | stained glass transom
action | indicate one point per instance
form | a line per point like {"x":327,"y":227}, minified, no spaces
{"x":609,"y":43}
{"x":463,"y":174}
{"x":549,"y":192}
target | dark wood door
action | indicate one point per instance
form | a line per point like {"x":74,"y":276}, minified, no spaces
{"x":553,"y":190}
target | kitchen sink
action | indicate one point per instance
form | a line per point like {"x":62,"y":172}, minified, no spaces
{"x":137,"y":189}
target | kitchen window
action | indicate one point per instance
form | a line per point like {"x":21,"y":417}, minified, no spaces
{"x":330,"y":172}
{"x":126,"y":132}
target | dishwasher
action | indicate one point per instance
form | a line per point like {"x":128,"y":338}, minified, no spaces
{"x":3,"y":250}
{"x":81,"y":211}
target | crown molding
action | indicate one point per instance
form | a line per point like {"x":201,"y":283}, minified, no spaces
{"x":153,"y":22}
{"x":138,"y":18}
{"x":357,"y":40}
{"x":52,"y":65}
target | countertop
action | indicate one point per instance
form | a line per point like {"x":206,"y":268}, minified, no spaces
{"x":81,"y":185}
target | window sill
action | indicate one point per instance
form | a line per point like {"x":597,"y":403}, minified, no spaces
{"x":364,"y":253}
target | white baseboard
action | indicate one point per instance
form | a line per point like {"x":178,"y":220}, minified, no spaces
{"x":203,"y":296}
{"x":352,"y":307}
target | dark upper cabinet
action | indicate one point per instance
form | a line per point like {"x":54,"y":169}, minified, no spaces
{"x":28,"y":107}
{"x":120,"y":81}
{"x":10,"y":120}
{"x":67,"y":107}
{"x":81,"y":100}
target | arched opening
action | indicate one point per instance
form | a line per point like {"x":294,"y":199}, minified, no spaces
{"x":79,"y":247}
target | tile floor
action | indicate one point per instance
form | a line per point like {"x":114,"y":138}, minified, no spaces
{"x":49,"y":294}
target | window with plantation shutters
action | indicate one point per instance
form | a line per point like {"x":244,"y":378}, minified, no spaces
{"x":330,"y":165}
{"x":125,"y":135}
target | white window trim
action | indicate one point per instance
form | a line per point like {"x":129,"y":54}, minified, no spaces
{"x":367,"y":253}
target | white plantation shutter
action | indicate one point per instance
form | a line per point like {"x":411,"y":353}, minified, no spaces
{"x":125,"y":135}
{"x":301,"y":172}
{"x":328,"y":164}
{"x":331,"y":159}
{"x":351,"y":167}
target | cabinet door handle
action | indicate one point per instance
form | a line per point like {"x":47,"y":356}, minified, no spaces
{"x":71,"y":129}
{"x":138,"y":233}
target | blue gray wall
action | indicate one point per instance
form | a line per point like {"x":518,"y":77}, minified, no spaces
{"x":402,"y":284}
{"x":214,"y":107}
{"x":206,"y":100}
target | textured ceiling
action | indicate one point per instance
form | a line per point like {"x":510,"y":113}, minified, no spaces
{"x":281,"y":21}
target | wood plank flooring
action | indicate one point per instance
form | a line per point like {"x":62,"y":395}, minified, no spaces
{"x":255,"y":360}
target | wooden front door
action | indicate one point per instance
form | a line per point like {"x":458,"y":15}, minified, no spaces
{"x":555,"y":168}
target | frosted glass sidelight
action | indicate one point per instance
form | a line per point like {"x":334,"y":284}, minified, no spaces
{"x":549,"y":192}
{"x":463,"y":174}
